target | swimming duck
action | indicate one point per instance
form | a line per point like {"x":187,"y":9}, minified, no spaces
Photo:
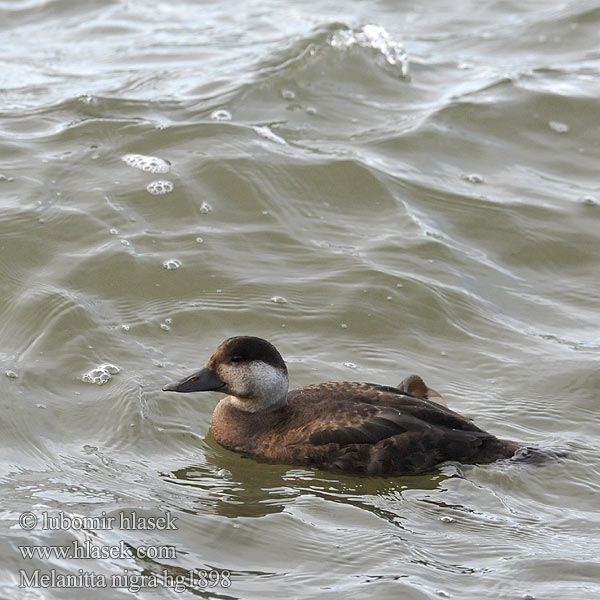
{"x":361,"y":428}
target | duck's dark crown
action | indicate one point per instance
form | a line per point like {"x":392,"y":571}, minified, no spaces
{"x":246,"y":348}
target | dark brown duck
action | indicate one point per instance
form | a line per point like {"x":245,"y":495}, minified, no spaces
{"x":353,"y":427}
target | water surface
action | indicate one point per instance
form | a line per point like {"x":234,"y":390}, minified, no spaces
{"x":377,"y":188}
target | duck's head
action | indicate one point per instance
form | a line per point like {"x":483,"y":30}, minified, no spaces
{"x":249,"y":369}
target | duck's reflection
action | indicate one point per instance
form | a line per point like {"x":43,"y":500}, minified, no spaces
{"x":236,"y":486}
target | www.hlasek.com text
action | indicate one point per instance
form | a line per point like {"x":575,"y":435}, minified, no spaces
{"x":86,"y":550}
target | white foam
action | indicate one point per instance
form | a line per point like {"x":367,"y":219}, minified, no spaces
{"x":205,"y":208}
{"x":172,"y":263}
{"x":266,"y":132}
{"x":472,"y":177}
{"x":376,"y":37}
{"x":162,"y":186}
{"x":87,"y":99}
{"x":220,"y":115}
{"x":101,"y":374}
{"x":150,"y":164}
{"x":558,"y":127}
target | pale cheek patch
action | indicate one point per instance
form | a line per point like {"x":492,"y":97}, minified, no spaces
{"x":237,"y":378}
{"x":257,"y":385}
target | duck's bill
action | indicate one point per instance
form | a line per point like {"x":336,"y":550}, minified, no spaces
{"x":204,"y":380}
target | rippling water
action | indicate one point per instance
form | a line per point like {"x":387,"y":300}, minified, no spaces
{"x":377,"y":188}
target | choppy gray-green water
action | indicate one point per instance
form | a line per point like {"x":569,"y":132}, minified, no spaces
{"x":379,"y":188}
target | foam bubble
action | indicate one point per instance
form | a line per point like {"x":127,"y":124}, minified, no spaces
{"x":172,"y":263}
{"x":150,"y":164}
{"x":205,"y":208}
{"x":87,"y":99}
{"x":376,"y":37}
{"x":162,"y":186}
{"x":350,"y":365}
{"x":472,"y":177}
{"x":558,"y":127}
{"x":12,"y":374}
{"x":101,"y":374}
{"x":220,"y":115}
{"x":279,"y":300}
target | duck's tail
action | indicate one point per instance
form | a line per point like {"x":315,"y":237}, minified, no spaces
{"x":499,"y":449}
{"x":536,"y":456}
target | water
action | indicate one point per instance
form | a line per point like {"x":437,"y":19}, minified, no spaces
{"x":377,"y":188}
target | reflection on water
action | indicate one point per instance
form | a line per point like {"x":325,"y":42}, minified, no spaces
{"x":378,"y":191}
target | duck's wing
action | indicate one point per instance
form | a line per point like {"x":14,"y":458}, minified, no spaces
{"x":380,"y":424}
{"x":386,"y":421}
{"x":403,"y":434}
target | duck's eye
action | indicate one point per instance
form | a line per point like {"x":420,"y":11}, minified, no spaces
{"x":236,"y":359}
{"x":192,"y":379}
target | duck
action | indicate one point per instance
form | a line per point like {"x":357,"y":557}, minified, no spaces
{"x":344,"y":426}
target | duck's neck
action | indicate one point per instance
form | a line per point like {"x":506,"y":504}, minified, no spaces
{"x":261,"y":405}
